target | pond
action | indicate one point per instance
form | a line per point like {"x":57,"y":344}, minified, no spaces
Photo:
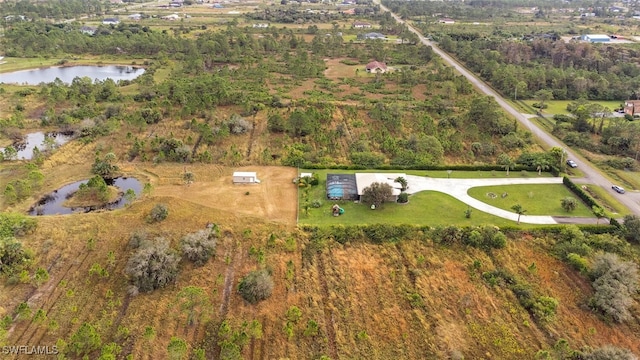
{"x":68,"y":73}
{"x":51,"y":204}
{"x":43,"y":141}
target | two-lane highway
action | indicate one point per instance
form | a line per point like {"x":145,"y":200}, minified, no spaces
{"x":591,"y":174}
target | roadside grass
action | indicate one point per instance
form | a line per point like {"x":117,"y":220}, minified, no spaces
{"x":536,"y":199}
{"x":607,"y":201}
{"x":560,"y":106}
{"x":424,"y":208}
{"x":630,"y":178}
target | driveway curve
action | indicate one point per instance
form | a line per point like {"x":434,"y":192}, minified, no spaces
{"x":458,"y":188}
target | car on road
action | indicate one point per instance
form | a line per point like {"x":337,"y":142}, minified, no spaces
{"x":572,"y":164}
{"x":618,"y":189}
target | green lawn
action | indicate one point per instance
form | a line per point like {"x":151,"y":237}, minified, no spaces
{"x":560,"y":106}
{"x":538,"y":199}
{"x":424,"y":208}
{"x":455,"y":174}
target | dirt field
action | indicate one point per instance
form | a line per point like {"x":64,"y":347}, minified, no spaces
{"x":274,"y":199}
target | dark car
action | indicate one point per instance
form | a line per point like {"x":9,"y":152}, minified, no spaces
{"x":572,"y":164}
{"x":618,"y":189}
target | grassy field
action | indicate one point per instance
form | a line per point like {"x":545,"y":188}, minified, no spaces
{"x":536,"y":199}
{"x":560,"y":106}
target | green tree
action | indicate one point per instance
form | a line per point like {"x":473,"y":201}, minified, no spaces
{"x":541,"y":163}
{"x":518,"y":209}
{"x":542,"y":96}
{"x":193,"y":302}
{"x":85,"y":340}
{"x":105,"y":167}
{"x":10,"y":194}
{"x":598,"y":212}
{"x":177,"y":348}
{"x":199,"y":247}
{"x":376,"y":194}
{"x":403,"y":183}
{"x":10,"y":153}
{"x":506,"y":162}
{"x":130,"y":196}
{"x":632,"y":228}
{"x":569,"y":203}
{"x":153,"y":266}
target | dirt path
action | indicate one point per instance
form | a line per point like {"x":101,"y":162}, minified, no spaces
{"x":229,"y":276}
{"x":328,"y":314}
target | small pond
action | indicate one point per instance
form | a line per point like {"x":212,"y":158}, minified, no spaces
{"x":37,"y":139}
{"x":68,"y":73}
{"x":51,"y":204}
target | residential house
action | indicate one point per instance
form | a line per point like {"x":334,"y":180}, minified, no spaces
{"x":632,"y":107}
{"x":110,"y":21}
{"x":88,"y":30}
{"x":376,"y":67}
{"x":245,"y":177}
{"x":260,"y":25}
{"x":135,"y":17}
{"x":172,"y":17}
{"x":351,"y":11}
{"x":371,"y":36}
{"x":361,"y":24}
{"x":446,"y":21}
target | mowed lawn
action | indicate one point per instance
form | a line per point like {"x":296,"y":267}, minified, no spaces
{"x":424,"y":208}
{"x":536,"y":199}
{"x":560,"y":106}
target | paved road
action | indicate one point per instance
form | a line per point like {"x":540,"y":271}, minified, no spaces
{"x":459,"y":188}
{"x":591,"y":174}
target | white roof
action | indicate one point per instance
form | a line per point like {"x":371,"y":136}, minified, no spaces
{"x":597,"y":36}
{"x":244,"y":174}
{"x":306,"y":175}
{"x":364,"y":180}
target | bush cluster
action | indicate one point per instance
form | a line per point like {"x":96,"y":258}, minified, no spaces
{"x":615,"y":282}
{"x":153,"y":266}
{"x":199,"y":246}
{"x":256,"y":286}
{"x":158,"y":213}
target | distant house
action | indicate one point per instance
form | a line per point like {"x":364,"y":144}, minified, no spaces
{"x":110,"y":21}
{"x":217,"y":6}
{"x":135,"y":17}
{"x":175,"y":4}
{"x":632,"y":107}
{"x":361,"y":25}
{"x":371,"y":36}
{"x":260,"y":25}
{"x":585,"y":15}
{"x":88,"y":30}
{"x":351,"y":11}
{"x":376,"y":67}
{"x":172,"y":17}
{"x":595,"y":38}
{"x":446,"y":21}
{"x":245,"y":177}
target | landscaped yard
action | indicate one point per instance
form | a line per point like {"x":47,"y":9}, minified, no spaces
{"x":424,"y":208}
{"x":536,"y":199}
{"x":560,"y":106}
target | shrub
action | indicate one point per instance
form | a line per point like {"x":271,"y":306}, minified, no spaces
{"x":609,"y":352}
{"x":632,"y":228}
{"x":578,"y":262}
{"x":12,"y":255}
{"x":376,"y":194}
{"x":256,"y":286}
{"x":13,"y":224}
{"x":403,"y":198}
{"x":615,"y":282}
{"x":569,"y":204}
{"x":238,"y":124}
{"x":158,"y":213}
{"x":579,"y":192}
{"x":153,"y":266}
{"x":85,"y":340}
{"x":137,"y":239}
{"x":199,"y":247}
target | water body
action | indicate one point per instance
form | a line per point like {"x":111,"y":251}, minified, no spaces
{"x":68,"y":73}
{"x":51,"y":204}
{"x":37,"y":139}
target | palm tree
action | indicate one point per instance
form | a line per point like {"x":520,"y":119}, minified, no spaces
{"x":506,"y":162}
{"x":518,"y":210}
{"x":403,"y":182}
{"x":598,"y":212}
{"x":541,"y":163}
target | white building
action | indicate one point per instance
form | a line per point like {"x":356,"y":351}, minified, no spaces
{"x":245,"y":177}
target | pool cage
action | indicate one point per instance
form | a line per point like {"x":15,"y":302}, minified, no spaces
{"x":342,"y":187}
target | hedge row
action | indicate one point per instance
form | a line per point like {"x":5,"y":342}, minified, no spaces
{"x":381,"y":233}
{"x":428,"y":167}
{"x":591,"y":202}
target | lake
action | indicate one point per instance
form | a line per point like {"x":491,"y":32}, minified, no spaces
{"x":68,"y":73}
{"x":37,"y":139}
{"x":51,"y":204}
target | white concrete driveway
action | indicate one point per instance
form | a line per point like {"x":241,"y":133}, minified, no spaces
{"x":458,"y":188}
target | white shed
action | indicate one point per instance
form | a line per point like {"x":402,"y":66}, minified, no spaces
{"x":244,"y":177}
